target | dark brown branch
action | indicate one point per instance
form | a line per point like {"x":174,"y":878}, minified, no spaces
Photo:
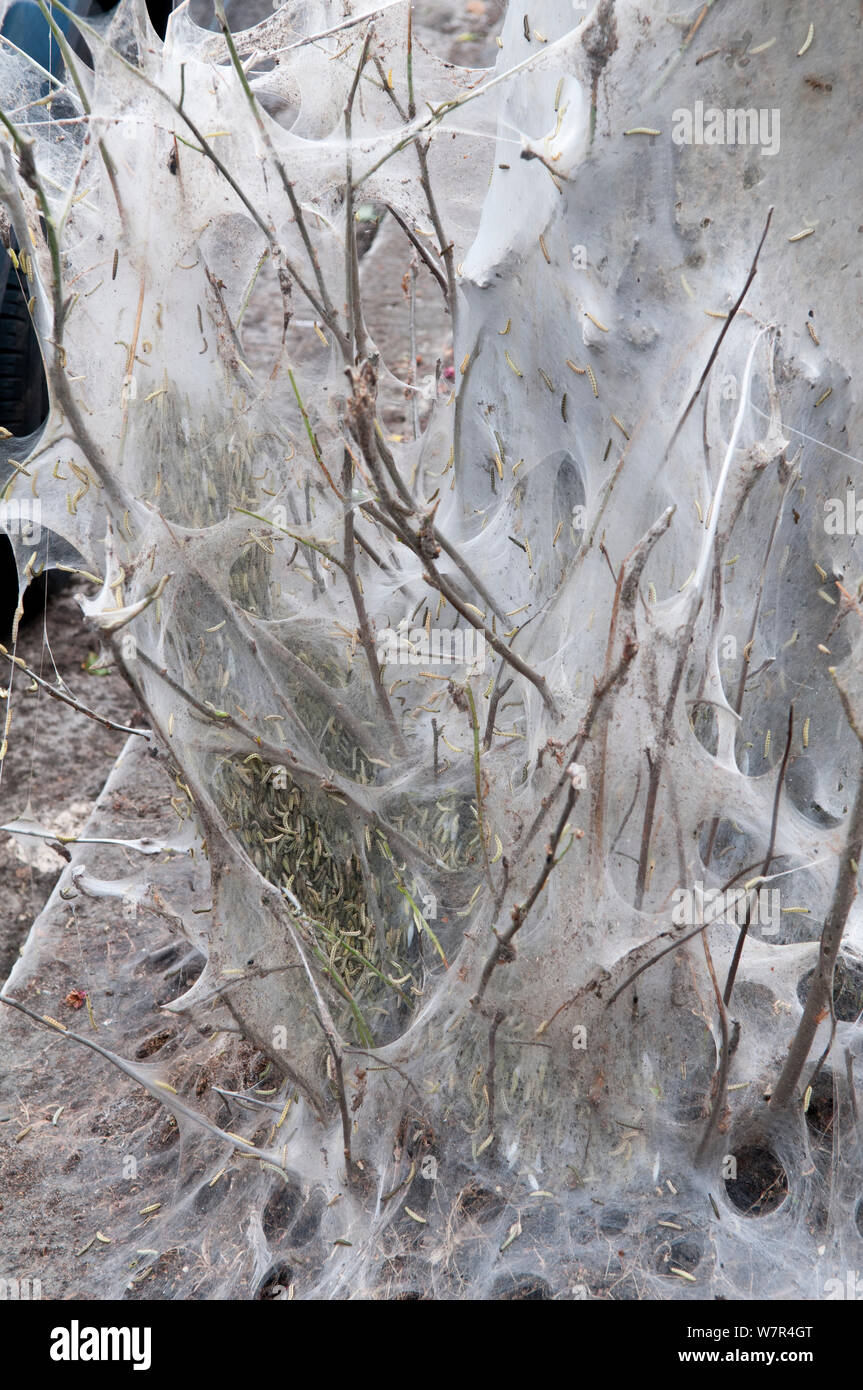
{"x":679,"y":941}
{"x":768,"y":860}
{"x":496,"y":696}
{"x":423,"y":544}
{"x":489,"y":1076}
{"x":421,"y":250}
{"x":724,"y":1062}
{"x":66,"y":699}
{"x":501,"y":953}
{"x":330,"y":317}
{"x":722,"y":332}
{"x":446,"y":545}
{"x":343,"y":1103}
{"x":753,"y":626}
{"x":852,"y":1090}
{"x":445,"y":247}
{"x":625,"y":597}
{"x":818,"y":1000}
{"x":171,"y":1102}
{"x":655,"y":763}
{"x":352,"y":260}
{"x":364,"y":630}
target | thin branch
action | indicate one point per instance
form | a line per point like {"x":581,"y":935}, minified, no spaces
{"x":316,"y":448}
{"x":724,"y":1061}
{"x":722,"y":332}
{"x":502,"y":952}
{"x":446,"y":248}
{"x":363,"y":625}
{"x":352,"y":260}
{"x":655,"y":763}
{"x":412,"y":375}
{"x":164,"y":1095}
{"x":421,"y":250}
{"x":67,"y":699}
{"x":390,"y":1066}
{"x":446,"y":545}
{"x":673,"y":946}
{"x":362,"y":422}
{"x":625,"y":597}
{"x":768,"y":860}
{"x":436,"y":733}
{"x":296,"y":208}
{"x":334,"y":1042}
{"x":469,"y":573}
{"x":852,"y":1090}
{"x":819,"y":998}
{"x":496,"y":1021}
{"x":437,"y":581}
{"x":497,"y":695}
{"x":477,"y":773}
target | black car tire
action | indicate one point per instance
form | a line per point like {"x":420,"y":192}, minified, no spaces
{"x":23,"y":389}
{"x":23,"y":407}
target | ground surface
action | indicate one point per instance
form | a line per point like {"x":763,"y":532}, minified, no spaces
{"x":57,"y":761}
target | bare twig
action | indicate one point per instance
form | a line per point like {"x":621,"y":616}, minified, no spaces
{"x":412,"y":373}
{"x":496,"y":1021}
{"x":679,"y":941}
{"x":352,"y":260}
{"x":445,"y":248}
{"x":364,"y":629}
{"x":623,"y":607}
{"x":724,"y":1061}
{"x":296,"y":208}
{"x":497,"y":695}
{"x":165,"y":1094}
{"x":722,"y":332}
{"x":334,"y":1042}
{"x":424,"y":543}
{"x":655,"y":763}
{"x":852,"y":1089}
{"x":480,"y":819}
{"x":753,"y":627}
{"x":66,"y":699}
{"x":433,"y":576}
{"x":768,"y":860}
{"x":502,"y":952}
{"x":421,"y":250}
{"x":445,"y":544}
{"x":818,"y":1000}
